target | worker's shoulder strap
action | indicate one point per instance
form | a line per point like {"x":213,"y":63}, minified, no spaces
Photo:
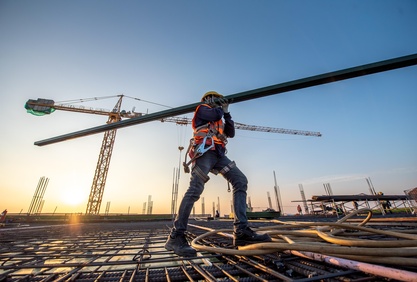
{"x":204,"y":126}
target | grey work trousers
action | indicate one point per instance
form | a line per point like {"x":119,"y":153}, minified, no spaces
{"x":208,"y":162}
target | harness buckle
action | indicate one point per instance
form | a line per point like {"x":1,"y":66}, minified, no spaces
{"x":201,"y":148}
{"x":198,"y":151}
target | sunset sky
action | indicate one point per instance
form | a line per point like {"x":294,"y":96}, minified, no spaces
{"x":168,"y":54}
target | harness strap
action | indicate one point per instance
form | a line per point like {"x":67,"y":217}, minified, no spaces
{"x":198,"y":172}
{"x":224,"y":170}
{"x":207,"y":125}
{"x":227,"y":168}
{"x":212,"y":131}
{"x":199,"y":150}
{"x":185,"y":163}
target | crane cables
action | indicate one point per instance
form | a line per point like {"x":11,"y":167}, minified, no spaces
{"x":86,"y":100}
{"x":82,"y":100}
{"x":157,"y":104}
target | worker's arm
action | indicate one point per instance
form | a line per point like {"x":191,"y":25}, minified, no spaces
{"x":206,"y":114}
{"x":229,"y":126}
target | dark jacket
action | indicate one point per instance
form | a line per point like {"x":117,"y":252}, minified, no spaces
{"x":207,"y":114}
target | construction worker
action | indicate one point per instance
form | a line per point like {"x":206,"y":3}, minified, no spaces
{"x":300,"y":210}
{"x":386,"y":205}
{"x":209,"y":155}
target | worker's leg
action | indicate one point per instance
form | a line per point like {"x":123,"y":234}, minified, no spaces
{"x":240,"y":185}
{"x":242,"y":233}
{"x":176,"y":240}
{"x":199,"y":176}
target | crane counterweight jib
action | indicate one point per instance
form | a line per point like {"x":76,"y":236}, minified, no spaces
{"x":40,"y":107}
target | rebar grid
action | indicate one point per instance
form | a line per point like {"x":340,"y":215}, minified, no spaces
{"x":135,"y":252}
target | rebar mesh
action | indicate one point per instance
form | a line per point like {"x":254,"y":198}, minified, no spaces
{"x":135,"y":252}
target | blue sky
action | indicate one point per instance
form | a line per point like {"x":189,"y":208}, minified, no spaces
{"x":171,"y":52}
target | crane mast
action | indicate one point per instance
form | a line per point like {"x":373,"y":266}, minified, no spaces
{"x":102,"y":168}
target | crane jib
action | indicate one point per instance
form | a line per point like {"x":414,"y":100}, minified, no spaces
{"x":348,"y":73}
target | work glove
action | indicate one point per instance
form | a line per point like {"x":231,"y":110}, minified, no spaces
{"x":224,"y":104}
{"x":211,"y":101}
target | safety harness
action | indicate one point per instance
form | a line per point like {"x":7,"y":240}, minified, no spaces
{"x":205,"y":138}
{"x":208,"y":135}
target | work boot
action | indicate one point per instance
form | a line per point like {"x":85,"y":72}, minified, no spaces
{"x":245,"y":236}
{"x":180,"y":246}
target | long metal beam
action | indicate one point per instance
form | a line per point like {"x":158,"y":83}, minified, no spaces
{"x":329,"y":77}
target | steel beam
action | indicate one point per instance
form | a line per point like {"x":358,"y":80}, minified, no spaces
{"x":325,"y":78}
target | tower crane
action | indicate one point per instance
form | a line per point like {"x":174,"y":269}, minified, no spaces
{"x":41,"y":107}
{"x":45,"y":106}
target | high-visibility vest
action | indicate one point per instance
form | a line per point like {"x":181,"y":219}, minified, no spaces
{"x":214,"y":128}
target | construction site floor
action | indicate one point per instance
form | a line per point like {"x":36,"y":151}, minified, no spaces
{"x":134,"y":251}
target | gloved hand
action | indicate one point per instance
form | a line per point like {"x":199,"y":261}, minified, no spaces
{"x":224,"y":104}
{"x":211,"y":101}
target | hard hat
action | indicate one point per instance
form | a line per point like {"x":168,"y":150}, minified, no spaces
{"x":211,"y":93}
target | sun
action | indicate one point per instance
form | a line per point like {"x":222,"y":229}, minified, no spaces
{"x":73,"y":196}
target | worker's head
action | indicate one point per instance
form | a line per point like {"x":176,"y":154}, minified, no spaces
{"x":210,"y":95}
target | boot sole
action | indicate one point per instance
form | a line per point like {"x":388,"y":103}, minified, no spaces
{"x":190,"y":254}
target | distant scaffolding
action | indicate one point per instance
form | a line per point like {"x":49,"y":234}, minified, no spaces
{"x":150,"y":204}
{"x":37,"y":201}
{"x":412,"y":196}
